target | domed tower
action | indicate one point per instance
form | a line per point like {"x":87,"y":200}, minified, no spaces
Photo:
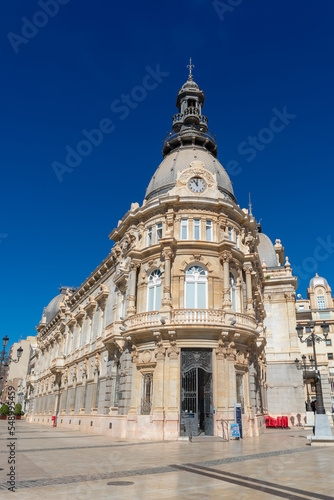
{"x":319,"y":293}
{"x":190,"y":127}
{"x":189,"y":275}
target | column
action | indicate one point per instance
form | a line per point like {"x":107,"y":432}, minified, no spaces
{"x":132,"y":288}
{"x":158,"y":378}
{"x":249,"y":295}
{"x":225,"y":260}
{"x":167,"y":300}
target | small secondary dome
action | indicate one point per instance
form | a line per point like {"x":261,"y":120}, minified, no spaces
{"x":53,"y":307}
{"x":267,"y":251}
{"x":164,"y":178}
{"x":318,"y":280}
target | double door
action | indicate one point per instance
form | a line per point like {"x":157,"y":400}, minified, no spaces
{"x":196,"y":392}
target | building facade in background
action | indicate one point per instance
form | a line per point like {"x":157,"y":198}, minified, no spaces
{"x":319,"y":307}
{"x":192,"y":312}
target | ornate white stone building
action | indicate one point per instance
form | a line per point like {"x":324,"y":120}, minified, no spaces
{"x":191,"y":312}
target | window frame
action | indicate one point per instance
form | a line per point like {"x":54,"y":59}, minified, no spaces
{"x":197,"y":225}
{"x":208,"y":226}
{"x":184,"y":224}
{"x":153,"y":285}
{"x":321,"y":303}
{"x":158,"y":228}
{"x":196,"y":281}
{"x":150,"y":236}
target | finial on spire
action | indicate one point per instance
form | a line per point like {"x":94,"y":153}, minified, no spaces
{"x":190,"y":67}
{"x":250,"y":205}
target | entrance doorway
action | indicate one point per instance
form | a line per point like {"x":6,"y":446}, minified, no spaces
{"x":196,"y":392}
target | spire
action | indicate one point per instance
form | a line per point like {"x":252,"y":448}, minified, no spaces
{"x":190,"y":67}
{"x":190,"y":127}
{"x":250,"y":205}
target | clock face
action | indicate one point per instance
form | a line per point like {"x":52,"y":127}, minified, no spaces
{"x":197,"y":185}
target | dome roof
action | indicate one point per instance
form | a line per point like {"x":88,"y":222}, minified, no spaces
{"x":53,"y":307}
{"x":318,"y":280}
{"x":267,"y":251}
{"x":164,"y":178}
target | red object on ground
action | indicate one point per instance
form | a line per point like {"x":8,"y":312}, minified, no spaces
{"x":53,"y":419}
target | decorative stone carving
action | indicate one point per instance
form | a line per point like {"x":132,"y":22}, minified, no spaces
{"x":173,"y":351}
{"x":225,"y":256}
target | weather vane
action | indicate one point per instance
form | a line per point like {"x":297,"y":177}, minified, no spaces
{"x":190,"y":67}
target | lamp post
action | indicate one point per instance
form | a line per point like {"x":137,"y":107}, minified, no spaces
{"x":4,"y":357}
{"x":304,"y":367}
{"x":315,"y":338}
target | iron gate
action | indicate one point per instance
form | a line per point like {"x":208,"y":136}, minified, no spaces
{"x":196,"y":391}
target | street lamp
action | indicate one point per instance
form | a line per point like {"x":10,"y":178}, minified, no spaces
{"x":4,"y":358}
{"x":304,"y":367}
{"x":315,"y":338}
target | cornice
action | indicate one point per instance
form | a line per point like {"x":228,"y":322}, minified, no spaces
{"x":165,"y":202}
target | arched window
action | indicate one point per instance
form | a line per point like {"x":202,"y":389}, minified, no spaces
{"x":196,"y":288}
{"x":154,"y":291}
{"x":233,"y":292}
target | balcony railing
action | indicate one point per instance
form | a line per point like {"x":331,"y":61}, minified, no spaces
{"x":196,"y":317}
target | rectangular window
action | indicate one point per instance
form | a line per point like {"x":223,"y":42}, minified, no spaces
{"x":208,"y":230}
{"x":301,"y":308}
{"x":229,"y":230}
{"x":151,"y":299}
{"x":237,"y":240}
{"x":159,"y":231}
{"x":324,"y":315}
{"x":321,"y":302}
{"x":309,"y":343}
{"x":201,"y":296}
{"x":328,"y":342}
{"x":307,"y":329}
{"x":330,"y":355}
{"x":157,"y":304}
{"x":184,"y":229}
{"x":197,"y":229}
{"x":190,"y":296}
{"x":149,"y":236}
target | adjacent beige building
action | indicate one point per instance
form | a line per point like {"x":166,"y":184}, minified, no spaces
{"x":192,"y":312}
{"x":16,"y":374}
{"x":319,"y":307}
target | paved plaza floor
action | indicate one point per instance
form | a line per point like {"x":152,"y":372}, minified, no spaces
{"x":54,"y":463}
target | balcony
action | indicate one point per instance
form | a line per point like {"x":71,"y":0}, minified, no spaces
{"x":191,"y":318}
{"x":31,"y":379}
{"x":57,"y":365}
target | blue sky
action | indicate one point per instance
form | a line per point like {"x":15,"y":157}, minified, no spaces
{"x":254,"y":60}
